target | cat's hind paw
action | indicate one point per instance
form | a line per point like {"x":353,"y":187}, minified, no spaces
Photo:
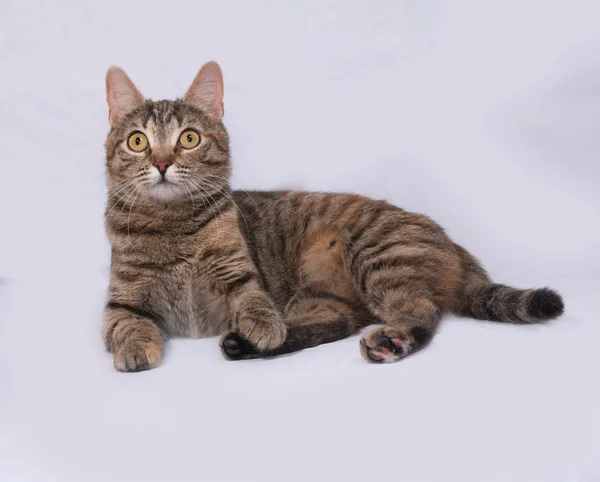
{"x":384,"y":347}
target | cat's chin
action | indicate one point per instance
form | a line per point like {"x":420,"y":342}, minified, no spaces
{"x":166,"y":191}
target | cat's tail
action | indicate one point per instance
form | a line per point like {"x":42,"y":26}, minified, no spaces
{"x":495,"y":302}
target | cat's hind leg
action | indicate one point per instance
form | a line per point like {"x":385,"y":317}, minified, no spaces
{"x":409,"y":326}
{"x":401,"y":292}
{"x":313,"y":317}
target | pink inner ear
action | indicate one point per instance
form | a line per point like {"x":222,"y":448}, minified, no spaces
{"x":206,"y":91}
{"x":121,"y":94}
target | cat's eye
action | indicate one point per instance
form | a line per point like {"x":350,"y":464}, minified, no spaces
{"x":137,"y":142}
{"x":189,"y":139}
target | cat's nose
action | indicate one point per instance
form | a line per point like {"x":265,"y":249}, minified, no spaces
{"x":162,"y":166}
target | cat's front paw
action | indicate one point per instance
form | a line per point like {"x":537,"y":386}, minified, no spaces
{"x":136,"y":356}
{"x":266,"y":331}
{"x":234,"y":347}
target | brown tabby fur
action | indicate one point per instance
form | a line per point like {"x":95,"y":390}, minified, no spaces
{"x":274,"y":272}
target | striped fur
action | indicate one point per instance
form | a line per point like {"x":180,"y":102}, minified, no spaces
{"x":273,"y":272}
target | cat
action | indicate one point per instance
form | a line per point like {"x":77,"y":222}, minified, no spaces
{"x":272,"y":272}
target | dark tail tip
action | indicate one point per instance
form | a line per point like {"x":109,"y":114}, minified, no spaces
{"x":545,"y":304}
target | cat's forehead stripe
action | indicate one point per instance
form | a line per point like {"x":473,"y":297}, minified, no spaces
{"x":162,"y":113}
{"x":146,"y":117}
{"x":163,"y":119}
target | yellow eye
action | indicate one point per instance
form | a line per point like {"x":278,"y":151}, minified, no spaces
{"x":189,"y":139}
{"x":137,"y":142}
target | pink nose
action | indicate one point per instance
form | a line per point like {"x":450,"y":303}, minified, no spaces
{"x":162,"y":166}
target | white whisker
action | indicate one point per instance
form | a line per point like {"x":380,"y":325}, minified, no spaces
{"x":129,"y":197}
{"x":129,"y":188}
{"x":225,"y":193}
{"x":130,"y":209}
{"x":247,"y":193}
{"x":191,"y":197}
{"x":200,"y":191}
{"x":121,"y":189}
{"x":208,"y":194}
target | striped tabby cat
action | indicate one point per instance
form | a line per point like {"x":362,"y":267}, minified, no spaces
{"x":273,"y":272}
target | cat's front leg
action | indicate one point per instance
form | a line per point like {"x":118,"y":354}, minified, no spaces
{"x":255,"y":317}
{"x":133,"y":337}
{"x":226,"y":267}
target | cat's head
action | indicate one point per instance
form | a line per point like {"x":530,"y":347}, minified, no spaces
{"x":164,"y":150}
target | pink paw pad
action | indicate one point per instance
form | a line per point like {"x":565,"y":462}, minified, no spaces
{"x":388,"y":349}
{"x":376,"y":354}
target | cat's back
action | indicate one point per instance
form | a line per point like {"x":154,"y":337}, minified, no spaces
{"x":296,"y":215}
{"x":299,"y":213}
{"x":295,"y":234}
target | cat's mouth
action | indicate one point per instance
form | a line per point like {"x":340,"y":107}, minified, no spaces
{"x":165,"y":189}
{"x":164,"y":181}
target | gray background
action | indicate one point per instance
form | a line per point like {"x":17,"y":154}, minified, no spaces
{"x":483,"y":114}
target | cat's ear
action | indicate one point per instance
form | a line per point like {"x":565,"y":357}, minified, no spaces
{"x":121,"y":94}
{"x":206,"y":91}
